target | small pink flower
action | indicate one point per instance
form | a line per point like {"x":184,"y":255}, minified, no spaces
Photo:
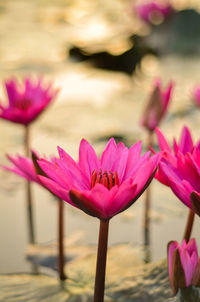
{"x":196,"y":95}
{"x":183,"y":264}
{"x":26,"y":100}
{"x":147,"y":10}
{"x":170,"y":154}
{"x":157,"y":105}
{"x":100,"y":187}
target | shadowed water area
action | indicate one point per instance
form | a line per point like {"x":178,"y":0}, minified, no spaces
{"x":36,"y":38}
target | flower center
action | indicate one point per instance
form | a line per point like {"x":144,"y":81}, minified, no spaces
{"x":108,"y":179}
{"x":22,"y":104}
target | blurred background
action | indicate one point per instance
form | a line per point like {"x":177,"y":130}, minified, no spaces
{"x":104,"y":56}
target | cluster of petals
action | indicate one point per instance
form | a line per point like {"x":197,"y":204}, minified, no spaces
{"x":157,"y":105}
{"x":100,"y":187}
{"x":26,"y":100}
{"x":184,"y":179}
{"x":148,"y":9}
{"x":196,"y":95}
{"x":25,"y":167}
{"x":180,"y":168}
{"x":170,"y":154}
{"x":183,"y":264}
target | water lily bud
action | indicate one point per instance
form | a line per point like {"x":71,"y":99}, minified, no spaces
{"x":183,"y":264}
{"x":157,"y":105}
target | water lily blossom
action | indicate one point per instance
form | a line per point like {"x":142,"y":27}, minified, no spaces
{"x":183,"y":264}
{"x":157,"y":105}
{"x":100,"y":187}
{"x":184,"y":178}
{"x":26,"y":100}
{"x":153,"y":11}
{"x":184,"y":145}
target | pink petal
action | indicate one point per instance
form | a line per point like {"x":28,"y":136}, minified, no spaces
{"x":94,"y":202}
{"x":55,"y":188}
{"x":175,"y":146}
{"x":73,"y":170}
{"x":133,"y":158}
{"x":55,"y":173}
{"x":145,"y":172}
{"x":88,"y":160}
{"x":188,"y":264}
{"x":108,"y":156}
{"x":186,"y":142}
{"x":122,"y":199}
{"x":114,"y":159}
{"x":175,"y":182}
{"x":162,"y":142}
{"x":172,"y":246}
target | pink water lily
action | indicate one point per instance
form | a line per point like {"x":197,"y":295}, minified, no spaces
{"x":149,"y":10}
{"x":184,"y":145}
{"x":196,"y":95}
{"x":100,"y":187}
{"x":184,"y":178}
{"x":26,"y":100}
{"x":183,"y":264}
{"x":157,"y":105}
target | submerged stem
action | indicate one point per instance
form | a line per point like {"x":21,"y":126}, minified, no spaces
{"x":61,"y":255}
{"x":189,"y":225}
{"x":101,"y":261}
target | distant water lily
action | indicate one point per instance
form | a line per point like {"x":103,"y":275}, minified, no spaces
{"x":26,"y":100}
{"x":183,"y":265}
{"x":157,"y":105}
{"x":152,"y":115}
{"x":196,"y":95}
{"x":101,"y":187}
{"x":153,"y":11}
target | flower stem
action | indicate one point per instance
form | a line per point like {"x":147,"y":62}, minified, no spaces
{"x":101,"y":261}
{"x":147,"y":205}
{"x":61,"y":256}
{"x":29,"y":198}
{"x":28,"y":191}
{"x":189,"y":226}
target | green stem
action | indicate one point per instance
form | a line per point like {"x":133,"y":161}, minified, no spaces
{"x":28,"y":191}
{"x":101,"y":261}
{"x":147,"y":206}
{"x":147,"y":211}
